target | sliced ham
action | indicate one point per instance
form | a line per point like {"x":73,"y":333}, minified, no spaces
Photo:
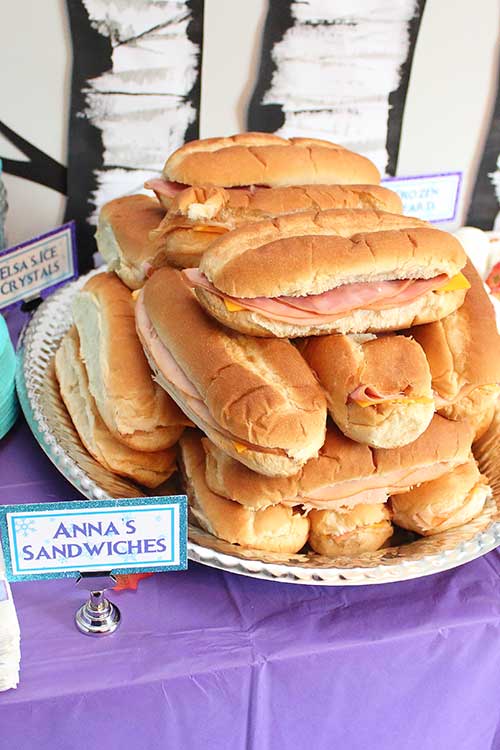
{"x":374,"y":295}
{"x":170,"y":189}
{"x":164,"y":360}
{"x":368,"y":394}
{"x":348,"y":296}
{"x":164,"y":187}
{"x":369,"y":497}
{"x":390,"y":483}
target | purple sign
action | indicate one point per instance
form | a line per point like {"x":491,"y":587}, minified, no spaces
{"x":433,"y":197}
{"x":35,"y":268}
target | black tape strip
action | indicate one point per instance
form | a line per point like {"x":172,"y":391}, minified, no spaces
{"x":484,"y":205}
{"x":40,"y":168}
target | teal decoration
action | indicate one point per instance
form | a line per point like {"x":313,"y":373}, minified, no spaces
{"x":8,"y":398}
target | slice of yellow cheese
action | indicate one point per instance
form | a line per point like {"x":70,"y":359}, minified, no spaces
{"x":232,"y":306}
{"x":210,"y":229}
{"x":402,"y":400}
{"x":456,"y":282}
{"x":240,"y":448}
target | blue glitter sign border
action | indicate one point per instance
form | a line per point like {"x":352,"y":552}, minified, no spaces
{"x":114,"y":505}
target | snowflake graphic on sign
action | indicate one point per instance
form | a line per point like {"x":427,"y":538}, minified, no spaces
{"x":24,"y":526}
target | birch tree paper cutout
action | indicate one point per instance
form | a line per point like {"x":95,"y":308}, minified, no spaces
{"x":484,"y":209}
{"x":339,"y":70}
{"x":135,"y":97}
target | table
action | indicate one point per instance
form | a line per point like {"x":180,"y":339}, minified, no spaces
{"x":206,"y":659}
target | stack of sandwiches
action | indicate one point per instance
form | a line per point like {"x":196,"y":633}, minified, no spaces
{"x":124,"y":419}
{"x":322,"y":363}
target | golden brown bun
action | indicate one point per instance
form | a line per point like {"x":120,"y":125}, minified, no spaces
{"x":266,"y":159}
{"x":133,"y":407}
{"x":463,"y":349}
{"x":482,"y":425}
{"x":477,"y":407}
{"x":229,"y":478}
{"x":312,"y":252}
{"x":443,"y":442}
{"x":276,"y":529}
{"x":195,"y":213}
{"x":262,"y":203}
{"x":342,"y":463}
{"x":388,"y":365}
{"x":123,"y":237}
{"x":231,"y":207}
{"x":444,"y":503}
{"x":184,"y":247}
{"x":260,"y":391}
{"x":148,"y":469}
{"x":428,"y":307}
{"x":350,"y":531}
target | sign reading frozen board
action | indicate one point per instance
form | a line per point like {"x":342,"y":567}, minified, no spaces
{"x":433,"y":197}
{"x":37,"y":266}
{"x":57,"y":540}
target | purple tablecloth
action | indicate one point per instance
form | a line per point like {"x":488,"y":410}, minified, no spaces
{"x":206,"y":659}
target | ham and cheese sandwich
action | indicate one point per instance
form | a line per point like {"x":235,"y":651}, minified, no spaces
{"x":348,"y":532}
{"x":333,"y":271}
{"x":444,"y":503}
{"x":463,"y":351}
{"x":346,"y":473}
{"x":255,"y":398}
{"x":148,"y":469}
{"x":274,"y":529}
{"x":198,"y":215}
{"x":261,"y":160}
{"x":132,"y":406}
{"x":124,"y":241}
{"x":378,"y":390}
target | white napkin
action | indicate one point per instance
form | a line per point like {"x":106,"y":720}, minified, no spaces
{"x":10,"y":636}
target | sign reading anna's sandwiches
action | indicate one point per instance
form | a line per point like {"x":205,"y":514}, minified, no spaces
{"x":58,"y":540}
{"x":37,"y":266}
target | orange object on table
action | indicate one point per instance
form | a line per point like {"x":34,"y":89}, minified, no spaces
{"x":129,"y":582}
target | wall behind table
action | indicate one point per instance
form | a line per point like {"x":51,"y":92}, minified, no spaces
{"x":35,"y":80}
{"x":448,"y":107}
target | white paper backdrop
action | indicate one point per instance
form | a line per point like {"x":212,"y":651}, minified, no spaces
{"x":448,"y":105}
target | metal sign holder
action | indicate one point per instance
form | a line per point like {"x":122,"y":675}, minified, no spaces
{"x":153,"y":531}
{"x":98,"y":616}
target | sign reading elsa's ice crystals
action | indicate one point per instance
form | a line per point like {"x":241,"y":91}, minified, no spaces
{"x":37,"y":266}
{"x":53,"y":540}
